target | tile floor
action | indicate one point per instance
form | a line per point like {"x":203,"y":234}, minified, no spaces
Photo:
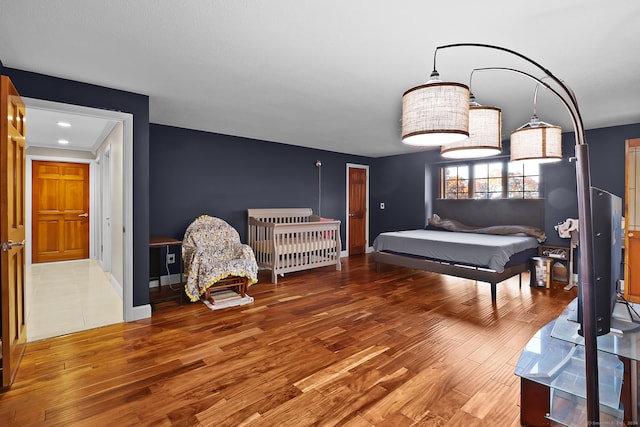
{"x":69,"y":296}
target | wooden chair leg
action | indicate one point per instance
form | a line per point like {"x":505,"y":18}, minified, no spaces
{"x":243,"y":287}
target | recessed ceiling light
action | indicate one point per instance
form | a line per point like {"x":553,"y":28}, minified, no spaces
{"x":64,"y":124}
{"x":63,"y":141}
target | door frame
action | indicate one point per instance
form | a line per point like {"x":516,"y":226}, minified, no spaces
{"x":367,"y":247}
{"x":130,"y":313}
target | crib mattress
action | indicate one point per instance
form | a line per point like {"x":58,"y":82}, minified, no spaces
{"x":290,"y":246}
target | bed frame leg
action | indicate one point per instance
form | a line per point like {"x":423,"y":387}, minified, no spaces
{"x":493,"y":292}
{"x":520,"y":284}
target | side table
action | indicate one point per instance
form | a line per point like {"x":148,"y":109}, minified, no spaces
{"x":562,"y":257}
{"x":167,"y":292}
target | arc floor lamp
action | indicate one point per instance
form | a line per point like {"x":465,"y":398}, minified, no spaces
{"x":437,"y":113}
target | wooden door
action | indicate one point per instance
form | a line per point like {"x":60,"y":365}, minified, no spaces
{"x":12,"y":231}
{"x":357,"y":220}
{"x":60,"y":205}
{"x":632,"y":222}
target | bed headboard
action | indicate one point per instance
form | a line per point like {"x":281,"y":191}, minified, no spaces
{"x":485,"y":213}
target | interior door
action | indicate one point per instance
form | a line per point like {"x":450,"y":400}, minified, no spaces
{"x":60,"y":205}
{"x":632,"y":222}
{"x":12,"y":228}
{"x":105,"y":210}
{"x":357,"y":220}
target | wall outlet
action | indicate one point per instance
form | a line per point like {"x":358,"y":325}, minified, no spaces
{"x":171,"y":258}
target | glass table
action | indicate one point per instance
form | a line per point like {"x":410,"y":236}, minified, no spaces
{"x":554,"y":360}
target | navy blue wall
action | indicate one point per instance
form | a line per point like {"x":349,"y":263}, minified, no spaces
{"x":39,"y":86}
{"x":606,"y":161}
{"x":194,"y":173}
{"x":404,"y":184}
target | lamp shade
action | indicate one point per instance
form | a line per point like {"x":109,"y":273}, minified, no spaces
{"x":485,"y":135}
{"x":435,"y":113}
{"x":537,"y":141}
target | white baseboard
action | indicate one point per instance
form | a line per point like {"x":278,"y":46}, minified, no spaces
{"x":345,"y":254}
{"x":115,"y":285}
{"x":138,"y":313}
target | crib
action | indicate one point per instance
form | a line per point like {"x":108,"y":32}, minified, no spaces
{"x":293,"y":239}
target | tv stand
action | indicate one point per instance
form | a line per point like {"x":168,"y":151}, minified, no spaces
{"x":552,"y":371}
{"x":624,"y":319}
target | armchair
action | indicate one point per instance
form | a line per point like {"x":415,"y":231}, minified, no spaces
{"x":214,"y":258}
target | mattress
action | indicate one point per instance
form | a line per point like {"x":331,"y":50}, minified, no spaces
{"x":482,"y":250}
{"x":290,"y":246}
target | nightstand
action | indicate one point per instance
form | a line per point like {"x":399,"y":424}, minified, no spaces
{"x":562,"y":263}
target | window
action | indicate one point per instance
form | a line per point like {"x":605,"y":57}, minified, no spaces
{"x":487,"y":180}
{"x":494,"y":180}
{"x":456,"y":182}
{"x":524,"y":180}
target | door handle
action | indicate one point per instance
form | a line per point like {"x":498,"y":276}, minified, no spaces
{"x":84,"y":214}
{"x":10,"y":244}
{"x":630,"y":234}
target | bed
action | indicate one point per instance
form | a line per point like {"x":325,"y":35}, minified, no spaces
{"x":464,"y":252}
{"x":293,"y":239}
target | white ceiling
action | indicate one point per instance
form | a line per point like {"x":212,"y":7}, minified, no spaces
{"x":328,"y":74}
{"x":86,"y":132}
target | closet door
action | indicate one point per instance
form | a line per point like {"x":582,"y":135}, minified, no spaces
{"x":632,"y":222}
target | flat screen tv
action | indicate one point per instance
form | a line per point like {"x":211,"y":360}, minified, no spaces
{"x":606,"y":217}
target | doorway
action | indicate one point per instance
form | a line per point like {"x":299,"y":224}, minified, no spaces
{"x":119,"y":260}
{"x":357,"y":208}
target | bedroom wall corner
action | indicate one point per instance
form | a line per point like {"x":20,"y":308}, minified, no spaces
{"x":404,"y":183}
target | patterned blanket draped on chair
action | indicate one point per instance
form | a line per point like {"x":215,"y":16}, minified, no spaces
{"x":212,"y":251}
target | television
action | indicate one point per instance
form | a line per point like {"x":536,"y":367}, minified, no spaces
{"x":606,"y":219}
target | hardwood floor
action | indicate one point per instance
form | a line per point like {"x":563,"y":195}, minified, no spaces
{"x":351,"y":348}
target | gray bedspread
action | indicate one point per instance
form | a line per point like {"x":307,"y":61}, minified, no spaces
{"x":484,"y":250}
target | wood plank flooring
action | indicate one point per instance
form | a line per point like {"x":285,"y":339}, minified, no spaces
{"x":322,"y":348}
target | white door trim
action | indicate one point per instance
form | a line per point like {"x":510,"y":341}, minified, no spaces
{"x":130,"y":312}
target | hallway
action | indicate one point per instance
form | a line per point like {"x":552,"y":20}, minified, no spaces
{"x":70,"y":296}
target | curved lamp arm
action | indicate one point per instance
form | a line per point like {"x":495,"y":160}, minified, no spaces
{"x":574,"y":119}
{"x":568,"y":99}
{"x":574,"y":102}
